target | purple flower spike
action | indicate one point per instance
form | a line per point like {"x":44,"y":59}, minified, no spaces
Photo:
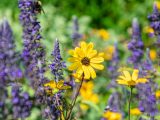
{"x":76,"y":36}
{"x":136,"y":45}
{"x":33,"y":51}
{"x":21,"y":103}
{"x":57,"y":64}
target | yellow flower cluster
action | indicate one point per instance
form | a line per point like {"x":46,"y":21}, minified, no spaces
{"x":104,"y":34}
{"x":148,"y":30}
{"x":135,"y":111}
{"x":87,"y":94}
{"x":158,"y":4}
{"x":108,"y":52}
{"x":157,"y":94}
{"x":130,"y":80}
{"x":153,"y":54}
{"x":84,"y":59}
{"x":109,"y":115}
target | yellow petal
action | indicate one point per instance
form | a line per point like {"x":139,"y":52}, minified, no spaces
{"x":122,"y":82}
{"x":83,"y":46}
{"x":97,"y":66}
{"x":141,"y":80}
{"x":79,"y":52}
{"x":97,"y":60}
{"x":51,"y":84}
{"x":89,"y":48}
{"x":127,"y":75}
{"x":92,"y":71}
{"x":71,"y":52}
{"x":60,"y":84}
{"x":86,"y":72}
{"x":73,"y":59}
{"x":74,"y":66}
{"x":92,"y":54}
{"x":101,"y":54}
{"x":122,"y":77}
{"x":135,"y":74}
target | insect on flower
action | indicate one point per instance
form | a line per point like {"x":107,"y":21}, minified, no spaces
{"x":37,"y":7}
{"x":55,"y":87}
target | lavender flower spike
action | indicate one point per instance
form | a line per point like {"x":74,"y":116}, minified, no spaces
{"x":76,"y":36}
{"x":57,"y":64}
{"x":136,"y":45}
{"x":33,"y":50}
{"x":21,"y":103}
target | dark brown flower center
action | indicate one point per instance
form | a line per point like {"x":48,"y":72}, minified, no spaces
{"x":85,"y":61}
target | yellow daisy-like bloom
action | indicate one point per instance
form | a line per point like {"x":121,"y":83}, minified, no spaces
{"x":109,"y":115}
{"x":87,"y":94}
{"x":148,"y":30}
{"x":84,"y":59}
{"x":130,"y":80}
{"x":135,"y":111}
{"x":104,"y":34}
{"x":153,"y":54}
{"x":108,"y":52}
{"x":157,"y":94}
{"x":158,"y":4}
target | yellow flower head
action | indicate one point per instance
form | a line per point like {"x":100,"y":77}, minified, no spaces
{"x":148,"y":30}
{"x":104,"y":34}
{"x":84,"y":59}
{"x":54,"y":87}
{"x":108,"y":52}
{"x":158,"y":4}
{"x":87,"y":94}
{"x":109,"y":115}
{"x":157,"y":94}
{"x":135,"y":111}
{"x":153,"y":54}
{"x":130,"y":80}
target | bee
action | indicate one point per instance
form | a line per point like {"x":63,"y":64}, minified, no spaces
{"x":37,"y":7}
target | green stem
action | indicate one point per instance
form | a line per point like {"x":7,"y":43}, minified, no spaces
{"x":74,"y":100}
{"x":129,"y":103}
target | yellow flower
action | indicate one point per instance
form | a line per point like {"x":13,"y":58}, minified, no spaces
{"x":109,"y":115}
{"x":108,"y":52}
{"x":131,"y":80}
{"x":104,"y":34}
{"x":157,"y":94}
{"x":86,"y":92}
{"x":153,"y":54}
{"x":54,"y":87}
{"x":135,"y":111}
{"x":84,"y":59}
{"x":148,"y":30}
{"x":158,"y":4}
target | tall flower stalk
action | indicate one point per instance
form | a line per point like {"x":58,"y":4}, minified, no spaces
{"x":76,"y":36}
{"x":33,"y":51}
{"x":136,"y":45}
{"x":9,"y":68}
{"x":131,"y":81}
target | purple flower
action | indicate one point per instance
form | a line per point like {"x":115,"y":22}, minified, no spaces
{"x":57,"y":65}
{"x":76,"y":36}
{"x":136,"y":45}
{"x":9,"y":58}
{"x":113,"y":67}
{"x":33,"y":51}
{"x":154,"y":19}
{"x":21,"y":104}
{"x":147,"y":102}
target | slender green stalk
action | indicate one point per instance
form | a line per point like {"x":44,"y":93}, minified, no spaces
{"x":129,"y":103}
{"x":74,"y":100}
